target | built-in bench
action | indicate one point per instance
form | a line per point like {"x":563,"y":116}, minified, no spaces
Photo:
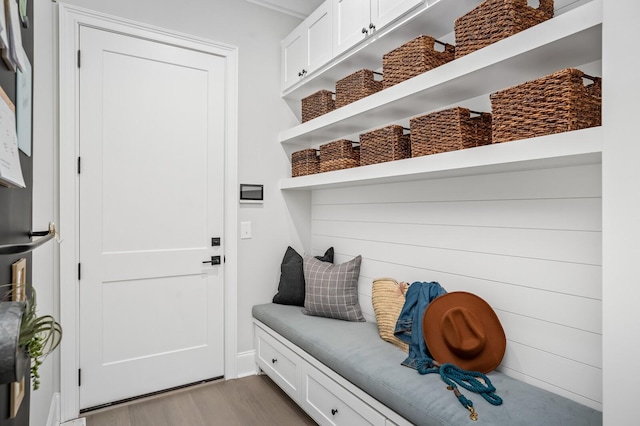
{"x":342,"y":373}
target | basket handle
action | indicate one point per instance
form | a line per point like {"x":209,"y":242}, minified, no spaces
{"x":546,"y":7}
{"x":447,"y":47}
{"x":596,"y":87}
{"x":588,"y":77}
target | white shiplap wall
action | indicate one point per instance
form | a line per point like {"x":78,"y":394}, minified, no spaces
{"x":529,"y":243}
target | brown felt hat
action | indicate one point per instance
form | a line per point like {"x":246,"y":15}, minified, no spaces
{"x":461,"y":328}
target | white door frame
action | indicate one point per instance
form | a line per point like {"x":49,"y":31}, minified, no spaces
{"x":71,"y":18}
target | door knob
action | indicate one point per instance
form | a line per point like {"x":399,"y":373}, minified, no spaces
{"x":215,"y":260}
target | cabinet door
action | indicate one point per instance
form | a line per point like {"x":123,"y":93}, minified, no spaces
{"x":350,"y":17}
{"x":294,"y":57}
{"x":384,"y":12}
{"x":319,"y":37}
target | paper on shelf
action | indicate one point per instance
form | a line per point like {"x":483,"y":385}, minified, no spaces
{"x":4,"y":39}
{"x":10,"y":170}
{"x":23,"y":104}
{"x":14,"y":35}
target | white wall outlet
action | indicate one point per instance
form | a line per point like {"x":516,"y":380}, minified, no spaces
{"x":245,"y":230}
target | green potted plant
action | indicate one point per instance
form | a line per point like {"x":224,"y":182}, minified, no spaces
{"x":38,"y":335}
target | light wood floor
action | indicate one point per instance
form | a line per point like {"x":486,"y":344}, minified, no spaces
{"x":253,"y":400}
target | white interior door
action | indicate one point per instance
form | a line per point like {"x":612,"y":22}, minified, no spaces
{"x":151,"y":200}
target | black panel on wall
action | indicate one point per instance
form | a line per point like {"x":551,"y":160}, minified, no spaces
{"x":15,"y":219}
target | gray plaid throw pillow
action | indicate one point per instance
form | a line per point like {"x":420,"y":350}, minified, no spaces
{"x":332,"y":290}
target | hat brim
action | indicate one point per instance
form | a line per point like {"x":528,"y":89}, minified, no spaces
{"x":496,"y":342}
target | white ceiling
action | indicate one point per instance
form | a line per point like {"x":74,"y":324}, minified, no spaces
{"x":299,"y":8}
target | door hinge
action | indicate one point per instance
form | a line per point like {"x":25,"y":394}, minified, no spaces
{"x":79,"y":165}
{"x":78,"y":58}
{"x":79,"y":377}
{"x":79,"y":271}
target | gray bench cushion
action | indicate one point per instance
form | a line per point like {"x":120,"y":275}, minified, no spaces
{"x":355,"y":351}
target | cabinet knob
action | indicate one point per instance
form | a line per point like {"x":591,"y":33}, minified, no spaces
{"x":302,"y":73}
{"x":274,"y":360}
{"x":365,"y":31}
{"x":372,"y":27}
{"x":334,"y":411}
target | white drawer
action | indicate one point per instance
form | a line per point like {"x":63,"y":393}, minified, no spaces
{"x":280,"y":363}
{"x":331,"y":404}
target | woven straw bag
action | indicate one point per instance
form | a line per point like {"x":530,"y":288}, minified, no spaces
{"x":388,"y":300}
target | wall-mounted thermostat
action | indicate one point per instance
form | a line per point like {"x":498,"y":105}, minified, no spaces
{"x":251,"y":193}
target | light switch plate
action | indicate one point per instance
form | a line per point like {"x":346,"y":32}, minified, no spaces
{"x":245,"y":230}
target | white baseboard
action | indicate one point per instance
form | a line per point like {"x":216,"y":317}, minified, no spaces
{"x":76,"y":422}
{"x":247,"y":364}
{"x":53,"y":419}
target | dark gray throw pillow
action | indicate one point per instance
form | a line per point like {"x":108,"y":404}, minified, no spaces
{"x":291,"y":286}
{"x":332,"y":290}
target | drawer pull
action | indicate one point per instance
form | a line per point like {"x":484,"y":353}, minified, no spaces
{"x":334,"y":411}
{"x":274,"y":360}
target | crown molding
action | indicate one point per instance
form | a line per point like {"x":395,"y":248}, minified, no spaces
{"x":297,"y":8}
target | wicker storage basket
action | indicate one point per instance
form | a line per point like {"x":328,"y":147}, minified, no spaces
{"x":449,"y":130}
{"x":317,"y":104}
{"x":356,"y":86}
{"x":305,"y":162}
{"x":339,"y":155}
{"x":386,"y":144}
{"x":557,"y":103}
{"x":494,"y":20}
{"x":413,"y":58}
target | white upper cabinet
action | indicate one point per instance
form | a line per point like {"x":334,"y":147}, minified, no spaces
{"x":308,"y":47}
{"x":293,"y":58}
{"x":384,"y":12}
{"x":354,"y":20}
{"x":351,"y":20}
{"x":320,"y":36}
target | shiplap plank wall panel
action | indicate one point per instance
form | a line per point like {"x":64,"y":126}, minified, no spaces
{"x":530,"y":243}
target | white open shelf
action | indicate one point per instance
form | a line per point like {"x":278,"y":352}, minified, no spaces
{"x":559,"y":150}
{"x":573,"y":38}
